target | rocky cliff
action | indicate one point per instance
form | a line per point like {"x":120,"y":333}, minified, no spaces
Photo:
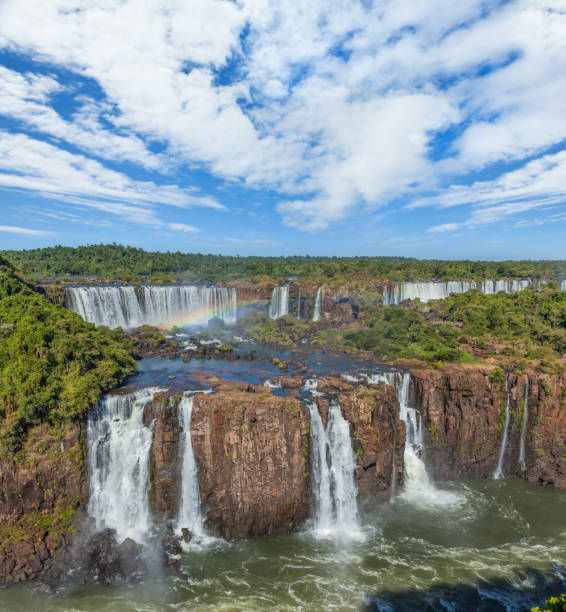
{"x":377,"y":432}
{"x":464,"y":413}
{"x":41,"y":490}
{"x":252,"y":450}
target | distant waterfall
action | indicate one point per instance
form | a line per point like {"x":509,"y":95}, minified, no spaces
{"x":438,"y":290}
{"x":499,"y":468}
{"x":129,"y":306}
{"x":316,"y":314}
{"x":418,"y":487}
{"x":524,"y":426}
{"x":190,"y":513}
{"x":279,"y":305}
{"x":118,"y":461}
{"x":333,"y":466}
{"x":299,"y":306}
{"x":563,"y":285}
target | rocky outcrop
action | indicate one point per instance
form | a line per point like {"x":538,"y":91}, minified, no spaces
{"x":40,"y":497}
{"x":464,"y":411}
{"x":377,"y":432}
{"x":164,"y":454}
{"x":253,"y":456}
{"x":546,"y":431}
{"x":378,"y":437}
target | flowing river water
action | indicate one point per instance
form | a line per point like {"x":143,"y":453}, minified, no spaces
{"x":501,"y":547}
{"x":482,"y":545}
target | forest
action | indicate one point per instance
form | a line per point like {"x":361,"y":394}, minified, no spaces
{"x":130,"y":264}
{"x":54,"y":366}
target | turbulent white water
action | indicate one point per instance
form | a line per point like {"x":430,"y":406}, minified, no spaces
{"x":437,"y":290}
{"x":333,"y":466}
{"x":418,"y":487}
{"x":524,"y":426}
{"x":317,"y":301}
{"x":118,"y":461}
{"x":129,"y":306}
{"x":499,"y":468}
{"x":279,"y":305}
{"x":190,"y":512}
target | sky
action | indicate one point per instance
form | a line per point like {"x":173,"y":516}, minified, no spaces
{"x":422,"y":128}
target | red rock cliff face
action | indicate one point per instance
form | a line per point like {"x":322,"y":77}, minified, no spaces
{"x":38,"y":504}
{"x":165,"y":457}
{"x":464,"y":412}
{"x":377,"y":432}
{"x":252,"y":451}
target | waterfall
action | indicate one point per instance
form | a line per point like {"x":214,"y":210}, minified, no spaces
{"x":130,"y":306}
{"x":418,"y":486}
{"x":299,"y":305}
{"x":437,"y":290}
{"x":333,"y":466}
{"x":499,"y":469}
{"x":118,"y":462}
{"x":522,"y":463}
{"x":563,"y":285}
{"x":316,"y":314}
{"x":279,"y":305}
{"x":190,"y":513}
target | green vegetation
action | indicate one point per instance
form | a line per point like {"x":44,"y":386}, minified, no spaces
{"x":553,"y":604}
{"x":285,"y":332}
{"x":393,"y":331}
{"x":526,"y":325}
{"x":53,"y":366}
{"x":130,"y":264}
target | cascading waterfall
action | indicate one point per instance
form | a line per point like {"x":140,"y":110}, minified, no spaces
{"x":524,"y":425}
{"x":190,"y":512}
{"x":563,"y":285}
{"x":437,"y":290}
{"x":333,"y":466}
{"x":317,"y":301}
{"x":418,"y":487}
{"x":279,"y":305}
{"x":118,"y":461}
{"x":499,"y":468}
{"x":132,"y":306}
{"x":299,"y":305}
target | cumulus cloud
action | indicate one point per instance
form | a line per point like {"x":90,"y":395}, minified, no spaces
{"x":336,"y":107}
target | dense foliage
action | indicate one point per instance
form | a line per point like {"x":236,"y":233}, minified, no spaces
{"x":53,"y":365}
{"x":396,"y":332}
{"x":285,"y":332}
{"x":553,"y":604}
{"x":528,"y":325}
{"x":129,"y":263}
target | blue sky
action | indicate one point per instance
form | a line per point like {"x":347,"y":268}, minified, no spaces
{"x":424,"y":128}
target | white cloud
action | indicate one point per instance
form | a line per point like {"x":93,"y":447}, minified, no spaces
{"x":26,"y":98}
{"x":29,"y":164}
{"x":23,"y":231}
{"x":539,"y":184}
{"x":444,"y":227}
{"x":182,"y":227}
{"x":331,"y":132}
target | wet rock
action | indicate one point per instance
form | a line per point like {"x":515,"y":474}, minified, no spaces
{"x":186,"y":535}
{"x":112,"y":564}
{"x":292,"y":382}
